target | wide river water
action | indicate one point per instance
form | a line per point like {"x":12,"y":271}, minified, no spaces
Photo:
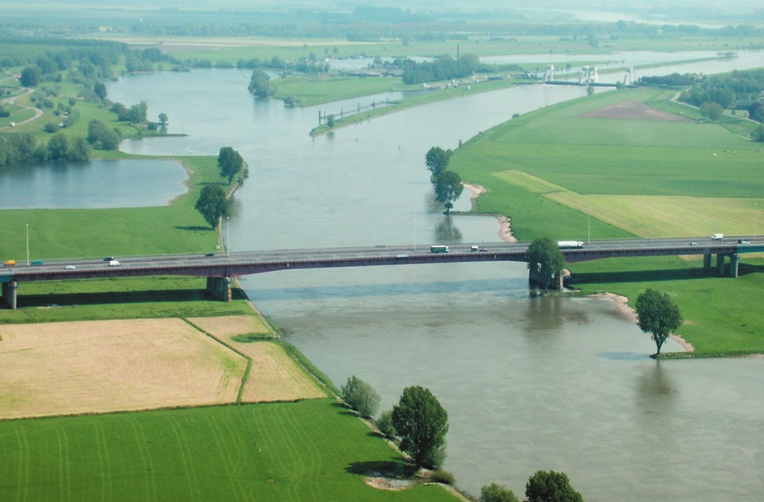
{"x":529,"y":383}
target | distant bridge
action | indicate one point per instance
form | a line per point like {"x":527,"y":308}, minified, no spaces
{"x":220,"y":268}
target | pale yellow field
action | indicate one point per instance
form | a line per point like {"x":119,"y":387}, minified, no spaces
{"x":655,"y":216}
{"x":274,"y":375}
{"x":230,"y":325}
{"x":102,"y":366}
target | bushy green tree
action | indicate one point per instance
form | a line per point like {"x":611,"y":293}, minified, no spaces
{"x":385,"y":423}
{"x":436,"y":160}
{"x":545,"y":259}
{"x":497,"y":493}
{"x":421,"y":423}
{"x":259,"y":84}
{"x":659,"y":315}
{"x":230,"y":163}
{"x":30,"y":76}
{"x":758,"y":134}
{"x":551,"y":486}
{"x":101,"y":137}
{"x":360,"y":396}
{"x":713,"y":111}
{"x":213,"y":205}
{"x":448,"y":187}
{"x":100,"y":90}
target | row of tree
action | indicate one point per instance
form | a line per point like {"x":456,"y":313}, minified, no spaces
{"x":213,"y":203}
{"x":443,"y":68}
{"x":23,"y":148}
{"x":446,"y":184}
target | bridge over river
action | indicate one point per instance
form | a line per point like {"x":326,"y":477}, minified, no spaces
{"x":220,"y":268}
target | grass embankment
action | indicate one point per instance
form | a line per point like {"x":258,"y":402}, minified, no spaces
{"x":312,"y":450}
{"x":434,"y":95}
{"x":550,"y":169}
{"x":310,"y":90}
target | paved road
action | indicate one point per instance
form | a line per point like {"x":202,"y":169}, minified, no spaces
{"x":251,"y":262}
{"x":37,"y":111}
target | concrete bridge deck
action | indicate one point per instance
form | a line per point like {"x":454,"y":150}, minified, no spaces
{"x":223,"y":266}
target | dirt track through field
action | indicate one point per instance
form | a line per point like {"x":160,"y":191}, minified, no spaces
{"x":103,"y":366}
{"x":633,"y":110}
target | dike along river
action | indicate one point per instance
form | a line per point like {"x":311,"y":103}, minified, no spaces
{"x":529,"y":383}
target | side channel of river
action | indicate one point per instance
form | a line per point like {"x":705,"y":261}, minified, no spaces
{"x":529,"y":383}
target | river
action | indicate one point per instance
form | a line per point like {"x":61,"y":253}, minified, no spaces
{"x":529,"y":383}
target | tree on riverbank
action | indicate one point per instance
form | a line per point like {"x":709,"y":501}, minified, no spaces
{"x":659,"y":315}
{"x":545,"y":259}
{"x":230,"y":163}
{"x":360,"y":396}
{"x":497,"y":493}
{"x":551,"y":486}
{"x":213,"y":205}
{"x":436,"y":160}
{"x":448,"y":187}
{"x":260,"y":84}
{"x":421,"y":423}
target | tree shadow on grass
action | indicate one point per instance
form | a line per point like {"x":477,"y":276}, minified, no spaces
{"x":345,"y":409}
{"x":117,"y":297}
{"x":682,"y":274}
{"x":194,"y":228}
{"x":384,"y":468}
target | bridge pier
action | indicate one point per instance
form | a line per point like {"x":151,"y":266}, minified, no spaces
{"x":734,"y":265}
{"x":707,"y":261}
{"x":720,"y":263}
{"x":557,"y":284}
{"x":9,"y":293}
{"x":220,"y":288}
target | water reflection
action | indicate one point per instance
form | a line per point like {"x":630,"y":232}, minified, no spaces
{"x":447,"y":232}
{"x":655,"y":386}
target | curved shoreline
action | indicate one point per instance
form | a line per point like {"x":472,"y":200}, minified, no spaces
{"x":505,"y":222}
{"x":621,"y":305}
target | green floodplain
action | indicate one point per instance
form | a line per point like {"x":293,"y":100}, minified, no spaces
{"x":551,"y":169}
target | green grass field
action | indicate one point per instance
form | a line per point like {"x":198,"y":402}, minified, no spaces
{"x":550,"y":169}
{"x":311,"y":450}
{"x":310,"y":90}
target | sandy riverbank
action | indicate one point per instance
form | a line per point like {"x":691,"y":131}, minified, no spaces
{"x":505,"y":222}
{"x":621,"y":304}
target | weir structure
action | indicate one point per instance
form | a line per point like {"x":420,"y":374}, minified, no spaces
{"x":221,"y":268}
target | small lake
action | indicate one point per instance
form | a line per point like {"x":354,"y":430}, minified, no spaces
{"x":91,"y":185}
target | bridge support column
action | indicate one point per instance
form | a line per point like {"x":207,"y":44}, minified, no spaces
{"x":720,"y":263}
{"x":220,"y":288}
{"x":707,"y":261}
{"x":9,"y":293}
{"x":733,"y":265}
{"x":558,"y":285}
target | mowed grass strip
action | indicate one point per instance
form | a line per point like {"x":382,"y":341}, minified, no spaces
{"x":104,"y":366}
{"x":653,"y":216}
{"x":274,"y":375}
{"x":312,"y":450}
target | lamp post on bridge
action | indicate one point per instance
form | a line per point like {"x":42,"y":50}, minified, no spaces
{"x":228,"y":235}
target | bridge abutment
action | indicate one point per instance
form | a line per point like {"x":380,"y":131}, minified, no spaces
{"x":9,"y":293}
{"x":734,"y":261}
{"x":720,"y":263}
{"x":220,"y":288}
